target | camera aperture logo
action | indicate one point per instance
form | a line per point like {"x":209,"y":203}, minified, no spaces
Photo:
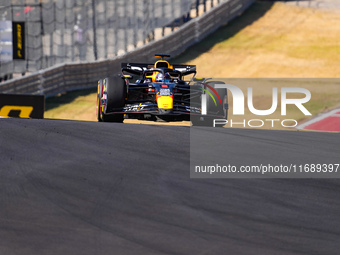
{"x":204,"y":98}
{"x":239,"y":104}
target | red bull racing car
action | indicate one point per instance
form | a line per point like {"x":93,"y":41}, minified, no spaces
{"x":160,"y":91}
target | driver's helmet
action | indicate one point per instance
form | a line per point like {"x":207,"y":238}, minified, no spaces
{"x":159,"y":77}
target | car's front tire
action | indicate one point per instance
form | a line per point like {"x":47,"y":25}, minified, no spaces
{"x":115,"y":90}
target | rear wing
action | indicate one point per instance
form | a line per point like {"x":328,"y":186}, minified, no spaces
{"x":139,"y":68}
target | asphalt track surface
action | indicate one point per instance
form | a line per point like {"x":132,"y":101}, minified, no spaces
{"x":96,"y":188}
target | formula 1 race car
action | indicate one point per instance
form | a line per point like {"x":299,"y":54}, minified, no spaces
{"x":160,"y":91}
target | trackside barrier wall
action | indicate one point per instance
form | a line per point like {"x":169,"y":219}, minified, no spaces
{"x":68,"y":77}
{"x":22,"y":106}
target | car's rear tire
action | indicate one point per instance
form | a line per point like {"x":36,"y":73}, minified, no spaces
{"x":115,"y":89}
{"x":222,"y":110}
{"x":99,"y":100}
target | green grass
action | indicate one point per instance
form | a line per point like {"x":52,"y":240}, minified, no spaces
{"x":77,"y":105}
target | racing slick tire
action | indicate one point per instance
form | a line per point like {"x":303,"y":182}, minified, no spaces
{"x":208,"y":121}
{"x":115,"y":91}
{"x":99,"y":100}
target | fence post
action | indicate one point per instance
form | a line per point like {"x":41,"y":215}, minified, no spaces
{"x":94,"y":30}
{"x":73,"y":54}
{"x":146,"y":19}
{"x":163,"y":15}
{"x":173,"y":15}
{"x":62,"y":31}
{"x":115,"y":28}
{"x":125,"y":26}
{"x":105,"y":30}
{"x":153,"y":26}
{"x":135,"y":26}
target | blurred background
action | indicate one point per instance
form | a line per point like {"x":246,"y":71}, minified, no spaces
{"x":63,"y":31}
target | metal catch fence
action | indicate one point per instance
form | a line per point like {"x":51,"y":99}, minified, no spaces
{"x":65,"y":31}
{"x":79,"y":75}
